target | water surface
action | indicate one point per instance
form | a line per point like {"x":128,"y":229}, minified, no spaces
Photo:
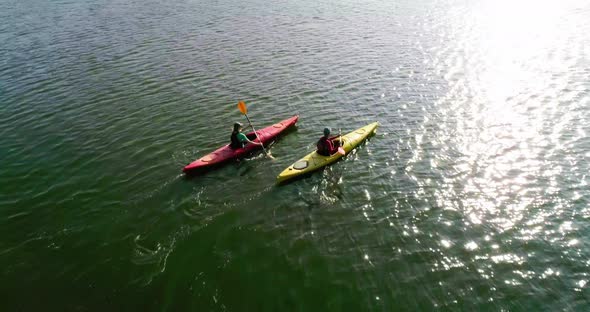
{"x":472,"y":196}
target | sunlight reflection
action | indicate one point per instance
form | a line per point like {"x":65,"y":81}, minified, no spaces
{"x":508,"y":258}
{"x":512,"y":54}
{"x":471,"y":246}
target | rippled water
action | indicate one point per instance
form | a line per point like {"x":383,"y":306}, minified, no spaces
{"x":472,"y":196}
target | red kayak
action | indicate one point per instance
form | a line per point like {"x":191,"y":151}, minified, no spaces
{"x":226,"y":153}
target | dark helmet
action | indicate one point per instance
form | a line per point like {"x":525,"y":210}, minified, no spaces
{"x":326,"y":131}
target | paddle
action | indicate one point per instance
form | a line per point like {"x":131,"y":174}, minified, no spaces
{"x":341,"y":150}
{"x":242,"y":107}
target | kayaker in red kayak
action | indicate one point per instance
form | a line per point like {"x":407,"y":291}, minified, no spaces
{"x":326,"y":145}
{"x":238,"y":139}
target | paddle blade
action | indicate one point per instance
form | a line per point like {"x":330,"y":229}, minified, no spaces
{"x":242,"y":107}
{"x":341,"y":151}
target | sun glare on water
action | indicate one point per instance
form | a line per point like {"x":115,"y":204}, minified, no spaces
{"x":517,"y":68}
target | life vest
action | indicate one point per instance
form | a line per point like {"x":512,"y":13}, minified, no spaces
{"x":323,"y":146}
{"x":235,"y":143}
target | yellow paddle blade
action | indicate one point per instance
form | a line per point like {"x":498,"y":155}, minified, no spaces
{"x":242,"y":107}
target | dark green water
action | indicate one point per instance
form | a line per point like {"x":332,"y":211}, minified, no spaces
{"x":474,"y":194}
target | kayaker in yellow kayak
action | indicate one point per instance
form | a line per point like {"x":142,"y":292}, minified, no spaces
{"x":238,"y":139}
{"x":327,"y":145}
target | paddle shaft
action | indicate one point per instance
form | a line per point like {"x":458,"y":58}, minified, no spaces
{"x":256,"y":133}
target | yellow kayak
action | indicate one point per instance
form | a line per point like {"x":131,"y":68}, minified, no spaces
{"x":315,"y":161}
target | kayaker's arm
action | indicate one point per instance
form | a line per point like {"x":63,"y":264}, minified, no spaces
{"x":244,"y":139}
{"x":257,"y":143}
{"x":336,"y":140}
